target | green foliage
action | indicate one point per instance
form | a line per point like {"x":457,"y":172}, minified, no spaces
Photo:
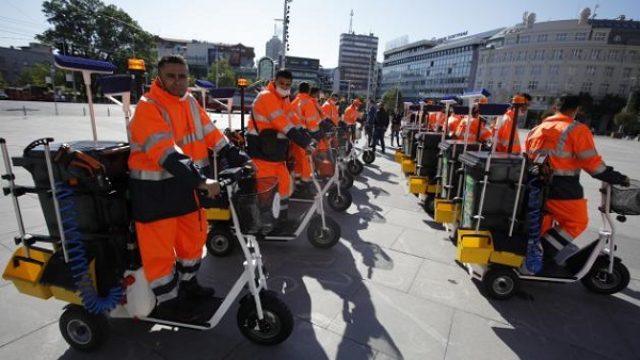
{"x":633,"y":103}
{"x":2,"y":82}
{"x":226,"y":75}
{"x":628,"y":123}
{"x":392,"y":100}
{"x":91,"y":29}
{"x":37,"y":75}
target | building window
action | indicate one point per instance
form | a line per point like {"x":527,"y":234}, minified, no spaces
{"x":572,"y":70}
{"x":519,"y":70}
{"x":552,"y":87}
{"x":626,"y":72}
{"x":542,"y":38}
{"x":581,"y":36}
{"x":480,"y":72}
{"x":604,"y":89}
{"x":504,"y":71}
{"x":554,"y":69}
{"x":561,"y":36}
{"x":595,"y":54}
{"x":521,"y":55}
{"x":479,"y":84}
{"x":591,"y":70}
{"x":622,"y":89}
{"x":516,"y":86}
{"x":557,"y":54}
{"x":608,"y":71}
{"x":538,"y":55}
{"x":586,"y":86}
{"x":533,"y":84}
{"x":577,"y":54}
{"x":499,"y":85}
{"x":490,"y":85}
{"x":511,"y":40}
{"x":524,"y":39}
{"x":599,"y":36}
{"x":536,"y":70}
{"x":614,"y":55}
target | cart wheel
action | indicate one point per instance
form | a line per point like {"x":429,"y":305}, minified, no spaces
{"x":346,"y":180}
{"x":500,"y":283}
{"x":274,"y":328}
{"x":339,"y":202}
{"x":430,"y":204}
{"x":83,"y":331}
{"x":355,"y":167}
{"x":368,"y":156}
{"x":220,"y":241}
{"x":323,"y":237}
{"x":600,"y":281}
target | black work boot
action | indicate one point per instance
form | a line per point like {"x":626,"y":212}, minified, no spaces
{"x":192,"y":289}
{"x":176,"y":309}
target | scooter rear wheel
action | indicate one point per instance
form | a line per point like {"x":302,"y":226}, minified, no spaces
{"x":368,"y":156}
{"x":220,"y":241}
{"x":339,"y":202}
{"x":355,"y":167}
{"x":599,"y":281}
{"x":346,"y":180}
{"x":323,"y":237}
{"x":82,"y":330}
{"x":500,"y":283}
{"x":276,"y":325}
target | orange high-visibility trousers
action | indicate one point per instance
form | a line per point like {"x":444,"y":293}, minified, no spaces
{"x":163,"y":243}
{"x":571,"y":215}
{"x":302,"y":166}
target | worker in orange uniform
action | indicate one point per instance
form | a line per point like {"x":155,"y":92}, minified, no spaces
{"x":476,"y":124}
{"x":567,"y":146}
{"x":352,"y":116}
{"x":452,"y":123}
{"x":330,"y":109}
{"x":306,"y":118}
{"x":506,"y":123}
{"x":170,"y":135}
{"x":269,"y":131}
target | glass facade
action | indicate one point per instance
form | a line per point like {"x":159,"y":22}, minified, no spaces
{"x":356,"y":62}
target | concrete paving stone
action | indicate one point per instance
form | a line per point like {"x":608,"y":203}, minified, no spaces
{"x":372,"y":227}
{"x":427,"y":243}
{"x":308,"y":342}
{"x":5,"y":256}
{"x":394,"y":323}
{"x":409,"y":219}
{"x":474,"y":337}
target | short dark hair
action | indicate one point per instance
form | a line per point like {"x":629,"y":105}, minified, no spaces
{"x":335,"y":95}
{"x":284,"y":73}
{"x":303,"y":87}
{"x":568,"y":102}
{"x":314,"y":90}
{"x":171,"y":59}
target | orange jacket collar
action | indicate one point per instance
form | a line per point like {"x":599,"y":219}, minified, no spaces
{"x":162,"y":95}
{"x":559,"y":117}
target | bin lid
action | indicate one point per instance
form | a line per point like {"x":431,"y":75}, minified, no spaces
{"x":85,"y":146}
{"x":479,"y":159}
{"x":447,"y":144}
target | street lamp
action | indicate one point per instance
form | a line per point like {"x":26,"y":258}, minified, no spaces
{"x":285,"y":33}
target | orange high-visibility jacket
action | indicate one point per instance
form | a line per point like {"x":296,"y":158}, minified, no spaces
{"x":504,"y":132}
{"x":485,"y":134}
{"x":351,"y":114}
{"x":330,"y":110}
{"x":453,"y":122}
{"x":436,"y":120}
{"x":305,"y":110}
{"x":165,"y":128}
{"x":570,"y":148}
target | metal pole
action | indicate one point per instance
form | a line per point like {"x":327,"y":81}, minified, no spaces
{"x":284,"y":35}
{"x":242,"y":110}
{"x":369,"y":76}
{"x":12,"y":185}
{"x":56,"y":205}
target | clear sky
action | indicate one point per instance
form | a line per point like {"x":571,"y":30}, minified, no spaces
{"x":316,"y":25}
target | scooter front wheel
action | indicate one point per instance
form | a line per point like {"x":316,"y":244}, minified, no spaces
{"x":368,"y":156}
{"x":323,"y":237}
{"x":220,"y":241}
{"x":500,"y":283}
{"x":355,"y":167}
{"x":276,"y":325}
{"x":82,"y":330}
{"x":339,"y":202}
{"x":600,"y":281}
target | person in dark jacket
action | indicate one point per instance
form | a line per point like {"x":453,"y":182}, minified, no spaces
{"x":380,"y":126}
{"x":395,"y":128}
{"x":370,"y":122}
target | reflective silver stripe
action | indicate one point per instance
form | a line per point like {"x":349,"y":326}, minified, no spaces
{"x":539,"y":152}
{"x":252,"y":132}
{"x":281,"y":136}
{"x":163,"y":111}
{"x":187,"y":139}
{"x":156,"y":138}
{"x":168,"y":152}
{"x":564,"y":136}
{"x":187,"y":275}
{"x":209,"y":128}
{"x":150,"y":175}
{"x":551,"y":240}
{"x":287,"y":128}
{"x":562,"y":154}
{"x":564,"y":254}
{"x":600,"y":169}
{"x":274,"y":114}
{"x":259,"y":117}
{"x":195,"y":116}
{"x":163,"y":281}
{"x":220,"y":144}
{"x":313,"y":117}
{"x":586,"y":154}
{"x":566,"y":172}
{"x":565,"y":236}
{"x":135,"y":147}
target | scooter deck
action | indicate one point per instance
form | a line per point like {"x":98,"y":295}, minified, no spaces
{"x":206,"y":311}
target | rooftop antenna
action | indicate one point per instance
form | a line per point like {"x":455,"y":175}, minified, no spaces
{"x":351,"y":22}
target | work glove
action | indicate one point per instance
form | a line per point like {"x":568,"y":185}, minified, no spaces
{"x":311,"y":148}
{"x":210,"y":188}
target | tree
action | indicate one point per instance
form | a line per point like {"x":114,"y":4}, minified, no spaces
{"x":2,"y":82}
{"x":604,"y":111}
{"x":226,"y":76}
{"x":91,"y":29}
{"x":392,"y":100}
{"x":37,"y":74}
{"x":628,"y":120}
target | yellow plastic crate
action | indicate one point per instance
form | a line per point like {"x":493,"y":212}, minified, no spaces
{"x":433,"y":189}
{"x":417,"y":184}
{"x":474,"y":246}
{"x":506,"y":258}
{"x":65,"y":295}
{"x":446,"y":211}
{"x":218,"y":214}
{"x":26,"y":276}
{"x":408,"y":166}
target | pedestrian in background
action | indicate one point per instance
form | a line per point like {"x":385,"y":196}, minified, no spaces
{"x":380,"y":127}
{"x":370,"y":122}
{"x":395,"y":128}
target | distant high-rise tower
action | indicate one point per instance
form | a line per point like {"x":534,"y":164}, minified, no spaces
{"x":356,"y":61}
{"x":274,"y":46}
